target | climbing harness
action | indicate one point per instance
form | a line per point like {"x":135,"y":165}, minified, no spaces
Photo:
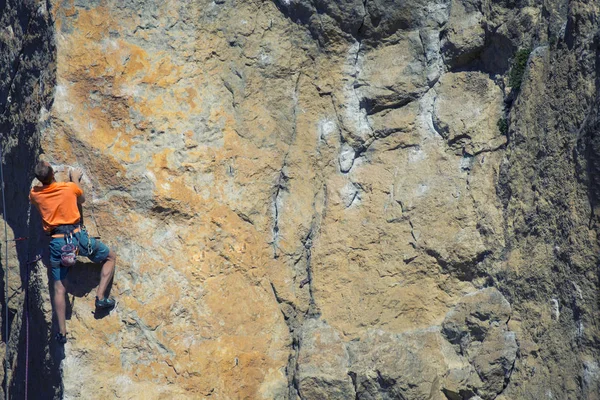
{"x":68,"y":256}
{"x":69,"y":251}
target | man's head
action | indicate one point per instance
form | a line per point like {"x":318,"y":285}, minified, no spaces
{"x":44,"y":172}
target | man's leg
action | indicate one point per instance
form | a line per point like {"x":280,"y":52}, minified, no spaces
{"x":60,"y":305}
{"x":106,"y":274}
{"x":59,"y":277}
{"x":100,"y":254}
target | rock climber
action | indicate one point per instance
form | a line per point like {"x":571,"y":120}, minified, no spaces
{"x":58,"y":203}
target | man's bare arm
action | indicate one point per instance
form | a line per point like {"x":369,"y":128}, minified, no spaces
{"x":75,"y":175}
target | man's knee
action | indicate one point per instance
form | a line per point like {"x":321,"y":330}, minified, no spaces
{"x":59,"y":288}
{"x":112,"y":256}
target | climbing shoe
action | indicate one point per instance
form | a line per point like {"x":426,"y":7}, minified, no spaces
{"x":105,"y":303}
{"x":60,"y":338}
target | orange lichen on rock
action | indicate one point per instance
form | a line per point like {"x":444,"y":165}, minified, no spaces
{"x":259,"y":184}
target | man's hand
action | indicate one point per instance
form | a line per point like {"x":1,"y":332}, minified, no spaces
{"x":75,"y":174}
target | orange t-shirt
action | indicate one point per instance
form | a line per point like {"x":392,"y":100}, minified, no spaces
{"x":57,"y":203}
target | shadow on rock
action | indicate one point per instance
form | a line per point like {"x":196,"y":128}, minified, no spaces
{"x":84,"y":277}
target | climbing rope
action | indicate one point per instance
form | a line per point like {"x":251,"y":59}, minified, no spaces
{"x":26,"y":300}
{"x":6,"y":273}
{"x":35,"y":260}
{"x":28,"y":264}
{"x":93,"y":210}
{"x":94,"y":219}
{"x":92,"y":207}
{"x":27,"y":329}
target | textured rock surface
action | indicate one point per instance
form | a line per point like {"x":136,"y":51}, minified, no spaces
{"x":316,"y":199}
{"x":477,"y":326}
{"x":27,"y":80}
{"x":323,"y":363}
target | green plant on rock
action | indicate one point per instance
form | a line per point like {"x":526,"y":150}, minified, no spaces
{"x":503,"y":126}
{"x":517,"y":69}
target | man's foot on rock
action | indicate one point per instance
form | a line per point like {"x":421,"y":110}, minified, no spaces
{"x":105,"y":303}
{"x":60,"y":338}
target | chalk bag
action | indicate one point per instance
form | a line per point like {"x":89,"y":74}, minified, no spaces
{"x":68,"y":255}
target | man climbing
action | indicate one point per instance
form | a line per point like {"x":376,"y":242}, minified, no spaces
{"x":58,"y":203}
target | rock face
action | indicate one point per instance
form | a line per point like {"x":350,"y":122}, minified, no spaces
{"x":27,"y":82}
{"x":311,"y":199}
{"x":477,"y":326}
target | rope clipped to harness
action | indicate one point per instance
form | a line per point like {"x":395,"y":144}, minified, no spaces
{"x":90,"y":250}
{"x":68,"y":256}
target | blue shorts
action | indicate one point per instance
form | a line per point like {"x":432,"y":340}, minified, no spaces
{"x":99,"y":252}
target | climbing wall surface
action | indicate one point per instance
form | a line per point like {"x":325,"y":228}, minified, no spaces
{"x":319,"y":199}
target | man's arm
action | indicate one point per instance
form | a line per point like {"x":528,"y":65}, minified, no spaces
{"x":75,"y":175}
